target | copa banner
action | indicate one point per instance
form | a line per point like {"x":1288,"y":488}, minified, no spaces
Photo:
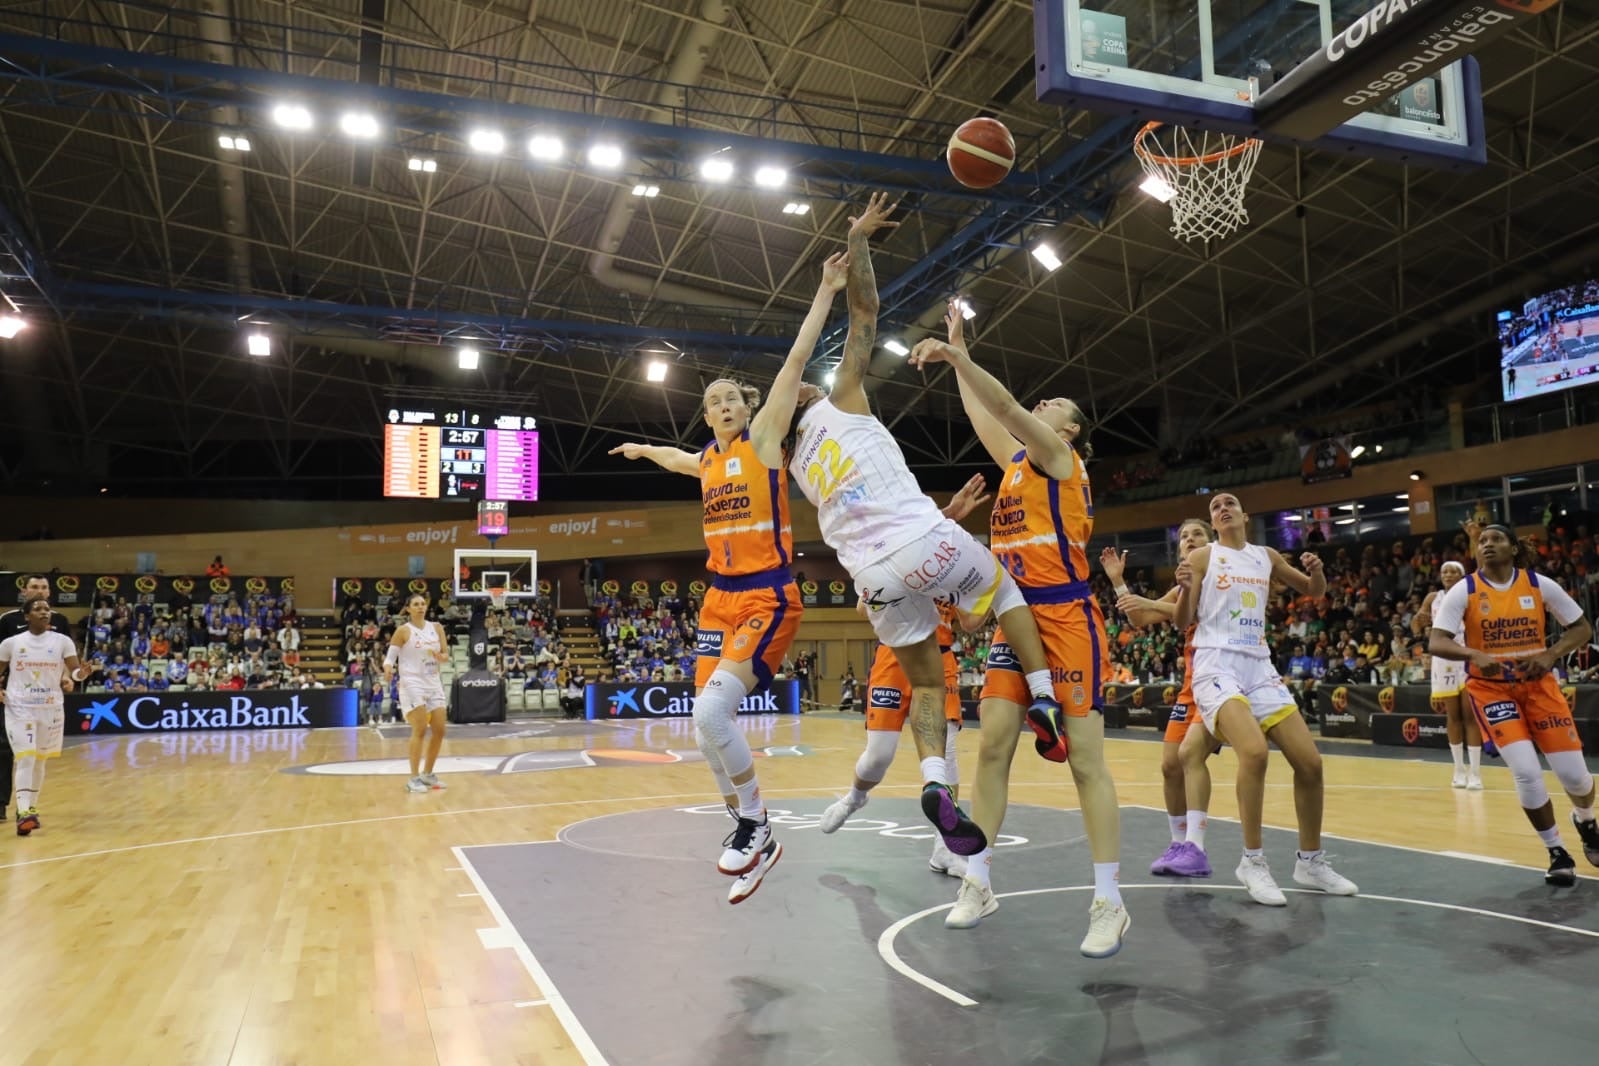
{"x":675,"y":699}
{"x":380,"y":590}
{"x":1144,"y":705}
{"x":1410,"y":730}
{"x":1351,"y":710}
{"x":169,"y":712}
{"x":79,"y":590}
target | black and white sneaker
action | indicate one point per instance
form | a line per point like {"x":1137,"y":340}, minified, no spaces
{"x":746,"y":885}
{"x":744,"y":846}
{"x":1589,"y":832}
{"x":1562,"y":868}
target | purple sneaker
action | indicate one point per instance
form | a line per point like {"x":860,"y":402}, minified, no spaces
{"x":961,"y":835}
{"x":1162,"y":865}
{"x":1188,"y":860}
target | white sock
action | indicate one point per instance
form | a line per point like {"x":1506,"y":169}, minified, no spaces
{"x":1459,"y":753}
{"x":933,"y":769}
{"x":1179,"y":827}
{"x":856,"y":797}
{"x":980,"y":866}
{"x":1038,"y":684}
{"x":1550,"y":836}
{"x":1254,"y":853}
{"x":1306,"y":856}
{"x":1107,"y":876}
{"x":749,"y":800}
{"x":1584,"y":814}
{"x":27,"y":795}
{"x":1475,"y":751}
{"x":1196,"y":828}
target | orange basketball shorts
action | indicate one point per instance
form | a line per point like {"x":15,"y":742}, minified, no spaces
{"x":1523,"y":710}
{"x":1183,"y":714}
{"x":747,"y":624}
{"x":888,"y":700}
{"x":1077,"y":652}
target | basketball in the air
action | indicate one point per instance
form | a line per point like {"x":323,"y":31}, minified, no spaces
{"x":981,"y":153}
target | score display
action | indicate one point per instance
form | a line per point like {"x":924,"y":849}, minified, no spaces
{"x":460,"y":454}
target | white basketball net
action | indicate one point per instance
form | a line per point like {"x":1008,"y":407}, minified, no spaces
{"x":1203,"y":173}
{"x":498,"y":595}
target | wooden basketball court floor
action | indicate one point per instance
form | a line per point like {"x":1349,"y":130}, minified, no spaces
{"x":276,"y":897}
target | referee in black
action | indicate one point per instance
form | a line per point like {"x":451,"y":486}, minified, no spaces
{"x":34,"y":587}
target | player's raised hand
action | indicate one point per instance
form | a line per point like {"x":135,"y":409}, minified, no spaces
{"x":809,"y":393}
{"x":630,"y":450}
{"x":968,"y":499}
{"x":835,"y":271}
{"x":1114,"y":564}
{"x":1184,"y":575}
{"x":1311,"y":562}
{"x":874,"y":216}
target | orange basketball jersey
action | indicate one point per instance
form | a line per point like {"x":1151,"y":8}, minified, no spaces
{"x":1506,"y":625}
{"x":747,"y":527}
{"x":1040,"y":527}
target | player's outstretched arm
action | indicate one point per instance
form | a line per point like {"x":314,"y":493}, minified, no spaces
{"x":674,"y":459}
{"x":997,"y":441}
{"x":849,"y":392}
{"x":770,"y":423}
{"x":1190,"y":575}
{"x":1312,"y":581}
{"x":982,"y":391}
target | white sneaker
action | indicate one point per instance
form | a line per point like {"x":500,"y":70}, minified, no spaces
{"x":838,"y":813}
{"x":1107,"y":924}
{"x":415,"y":785}
{"x":944,"y":861}
{"x":973,"y":903}
{"x":1459,"y":780}
{"x":432,"y":781}
{"x":1255,"y":875}
{"x":1474,"y":782}
{"x":744,"y":846}
{"x":745,"y":886}
{"x":1318,"y":873}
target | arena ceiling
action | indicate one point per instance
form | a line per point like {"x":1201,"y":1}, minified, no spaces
{"x":142,"y":249}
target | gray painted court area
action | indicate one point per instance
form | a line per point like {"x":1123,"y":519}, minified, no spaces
{"x":629,"y":918}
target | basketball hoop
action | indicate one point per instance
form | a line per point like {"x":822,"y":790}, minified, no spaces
{"x":498,"y":595}
{"x":1201,"y":173}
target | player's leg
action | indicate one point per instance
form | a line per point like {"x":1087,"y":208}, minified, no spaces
{"x":1555,"y":734}
{"x":718,"y":617}
{"x":887,"y":705}
{"x":1500,"y":718}
{"x":943,"y":860}
{"x":1311,"y":868}
{"x":923,"y":665}
{"x":22,"y":729}
{"x":1193,"y":752}
{"x":1108,"y":920}
{"x":6,"y":776}
{"x":436,"y":720}
{"x":1236,"y":724}
{"x":417,"y":718}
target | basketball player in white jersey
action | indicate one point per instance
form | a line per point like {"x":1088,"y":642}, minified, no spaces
{"x":1448,"y":682}
{"x":1241,"y":699}
{"x":36,"y":665}
{"x":417,"y":649}
{"x":905,"y":556}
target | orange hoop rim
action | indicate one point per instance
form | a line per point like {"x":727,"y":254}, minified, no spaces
{"x":1186,"y":160}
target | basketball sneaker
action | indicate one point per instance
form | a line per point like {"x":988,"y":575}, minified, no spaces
{"x":1589,"y":832}
{"x":1107,"y":923}
{"x":1473,"y":782}
{"x":432,"y":781}
{"x":1162,"y":865}
{"x":961,"y":835}
{"x":838,"y":813}
{"x":1043,"y":716}
{"x":1189,"y":861}
{"x":1317,"y":872}
{"x":416,"y":784}
{"x":944,"y":861}
{"x":747,"y":883}
{"x":1459,"y":780}
{"x":1255,"y":875}
{"x":744,"y":846}
{"x":1562,"y":867}
{"x":27,"y":822}
{"x":973,"y":903}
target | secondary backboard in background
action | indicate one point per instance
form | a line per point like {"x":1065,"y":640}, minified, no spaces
{"x":1192,"y":61}
{"x":522,"y":566}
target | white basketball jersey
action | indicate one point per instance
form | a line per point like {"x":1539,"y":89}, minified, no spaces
{"x":851,"y":468}
{"x":416,"y":654}
{"x":1232,"y":601}
{"x":36,"y":664}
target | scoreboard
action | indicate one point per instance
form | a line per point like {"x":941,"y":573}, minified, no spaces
{"x":452,"y":453}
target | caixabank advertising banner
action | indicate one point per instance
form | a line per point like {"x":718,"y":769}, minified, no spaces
{"x":170,"y":712}
{"x":675,"y":699}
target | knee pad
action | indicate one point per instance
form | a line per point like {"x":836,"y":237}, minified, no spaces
{"x":879,"y":755}
{"x":1572,"y":772}
{"x":1522,"y":758}
{"x":717,"y":705}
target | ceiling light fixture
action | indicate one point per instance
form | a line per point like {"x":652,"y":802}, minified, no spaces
{"x":545,"y":147}
{"x":655,"y":371}
{"x":1046,"y":257}
{"x":260,"y":344}
{"x":717,"y":168}
{"x":605,"y":156}
{"x":359,"y":124}
{"x":426,"y":166}
{"x":293,"y":117}
{"x":796,"y":209}
{"x":466,"y":358}
{"x":770,"y":177}
{"x":486,"y":141}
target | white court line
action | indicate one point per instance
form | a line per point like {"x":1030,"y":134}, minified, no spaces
{"x":885,"y":942}
{"x":464,"y":895}
{"x":531,"y":1003}
{"x":1477,"y":858}
{"x":511,"y":938}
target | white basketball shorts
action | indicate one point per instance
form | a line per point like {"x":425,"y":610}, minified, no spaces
{"x":1221,"y":675}
{"x":903,"y":589}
